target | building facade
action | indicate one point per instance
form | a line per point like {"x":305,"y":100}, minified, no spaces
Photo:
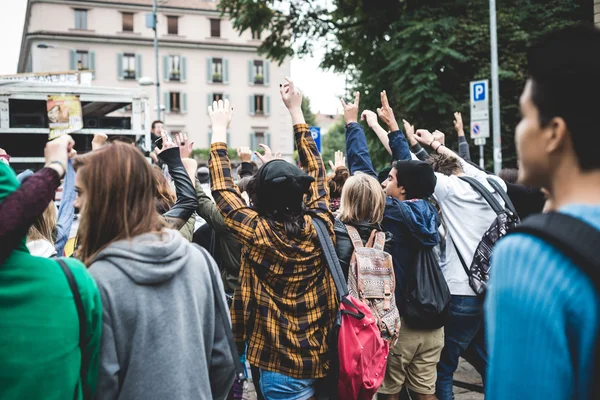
{"x":201,"y":59}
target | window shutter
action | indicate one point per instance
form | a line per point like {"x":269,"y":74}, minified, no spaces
{"x":93,"y":63}
{"x":267,"y":105}
{"x":209,"y":138}
{"x":184,"y":102}
{"x":166,"y":68}
{"x":228,"y":138}
{"x":250,"y":73}
{"x":138,"y":66}
{"x":183,"y":69}
{"x":251,"y":109}
{"x":120,"y":66}
{"x":268,"y":138}
{"x":209,"y":99}
{"x":167,"y":102}
{"x":225,"y":71}
{"x":209,"y":67}
{"x":253,"y":145}
{"x":72,"y":65}
{"x":267,"y":72}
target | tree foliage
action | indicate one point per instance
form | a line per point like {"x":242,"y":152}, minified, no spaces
{"x":424,"y":53}
{"x":308,"y":115}
{"x":334,"y":140}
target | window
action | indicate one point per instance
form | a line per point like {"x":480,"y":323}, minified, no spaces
{"x":80,"y":19}
{"x":260,"y":138}
{"x":175,"y":101}
{"x":217,"y":96}
{"x":217,"y":73}
{"x":82,"y":60}
{"x":259,"y":104}
{"x":256,"y":35}
{"x":128,"y":66}
{"x":172,"y":28}
{"x":259,"y":72}
{"x":215,"y":27}
{"x":127,"y":22}
{"x":174,"y":68}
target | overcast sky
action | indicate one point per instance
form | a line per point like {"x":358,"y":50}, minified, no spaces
{"x":323,"y":88}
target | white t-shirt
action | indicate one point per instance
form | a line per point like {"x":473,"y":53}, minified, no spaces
{"x":467,"y":216}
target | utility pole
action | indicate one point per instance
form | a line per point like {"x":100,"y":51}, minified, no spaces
{"x":495,"y":90}
{"x":157,"y":81}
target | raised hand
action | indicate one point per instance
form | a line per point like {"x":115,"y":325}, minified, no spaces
{"x":386,"y":113}
{"x":58,"y":152}
{"x":458,"y":124}
{"x":268,"y":156}
{"x":244,"y":154}
{"x":340,"y":161}
{"x":410,"y":132}
{"x":167,"y":142}
{"x":292,"y":98}
{"x":439,"y":136}
{"x":370,"y":117}
{"x":351,"y":109}
{"x":425,"y":137}
{"x":185,"y":146}
{"x":220,"y":114}
{"x":99,"y":140}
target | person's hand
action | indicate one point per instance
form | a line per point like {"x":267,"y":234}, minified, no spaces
{"x":387,"y":114}
{"x":291,"y":96}
{"x":245,"y":154}
{"x":154,"y":155}
{"x":458,"y":124}
{"x":4,"y":157}
{"x":439,"y":136}
{"x":351,"y":110}
{"x":340,"y":161}
{"x":268,"y":156}
{"x":220,"y":114}
{"x":410,"y":132}
{"x":370,"y":117}
{"x":167,"y":142}
{"x":425,"y":137}
{"x":185,"y":146}
{"x":58,"y":152}
{"x":99,"y":140}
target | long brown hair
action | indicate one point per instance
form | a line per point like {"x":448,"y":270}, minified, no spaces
{"x":120,"y":193}
{"x":44,"y":226}
{"x":165,"y":198}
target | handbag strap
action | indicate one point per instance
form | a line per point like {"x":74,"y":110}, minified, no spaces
{"x":222,"y":310}
{"x":82,"y":323}
{"x":331,"y":258}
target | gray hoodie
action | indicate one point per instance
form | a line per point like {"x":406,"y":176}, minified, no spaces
{"x":161,"y":337}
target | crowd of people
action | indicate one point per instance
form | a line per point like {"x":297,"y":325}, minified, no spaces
{"x":177,"y":276}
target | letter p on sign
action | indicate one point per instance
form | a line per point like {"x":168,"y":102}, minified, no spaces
{"x":479,"y":92}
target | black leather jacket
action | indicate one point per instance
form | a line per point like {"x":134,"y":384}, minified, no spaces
{"x":343,"y":244}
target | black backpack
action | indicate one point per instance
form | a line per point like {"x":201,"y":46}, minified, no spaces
{"x":578,"y":241}
{"x":427,"y":304}
{"x":506,"y":219}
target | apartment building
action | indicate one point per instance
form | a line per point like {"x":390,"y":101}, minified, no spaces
{"x":201,"y":59}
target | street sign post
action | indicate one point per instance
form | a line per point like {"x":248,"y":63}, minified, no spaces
{"x":316,"y":134}
{"x":480,"y":114}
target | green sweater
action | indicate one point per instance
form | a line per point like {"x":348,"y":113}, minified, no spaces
{"x":39,"y":326}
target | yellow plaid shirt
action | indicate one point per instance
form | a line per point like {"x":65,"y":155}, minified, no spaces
{"x":286,"y":301}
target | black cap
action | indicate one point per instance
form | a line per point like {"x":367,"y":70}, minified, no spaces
{"x":417,"y":178}
{"x":283,"y":176}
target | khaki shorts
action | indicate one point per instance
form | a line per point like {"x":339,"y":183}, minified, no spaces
{"x":413,"y":361}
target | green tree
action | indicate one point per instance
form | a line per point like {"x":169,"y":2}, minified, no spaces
{"x":334,"y":140}
{"x":308,"y":115}
{"x":424,"y":53}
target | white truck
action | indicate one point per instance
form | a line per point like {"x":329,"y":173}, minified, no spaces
{"x":24,"y":118}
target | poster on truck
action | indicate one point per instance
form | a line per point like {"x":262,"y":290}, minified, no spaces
{"x":64,"y":115}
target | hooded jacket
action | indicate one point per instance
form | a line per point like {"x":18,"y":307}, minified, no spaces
{"x":161,"y":338}
{"x":39,"y":325}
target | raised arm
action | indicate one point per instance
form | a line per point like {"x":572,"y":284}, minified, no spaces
{"x":415,"y":146}
{"x":381,"y":133}
{"x":308,"y":155}
{"x":463,"y":145}
{"x":357,"y":150}
{"x":239,"y":218}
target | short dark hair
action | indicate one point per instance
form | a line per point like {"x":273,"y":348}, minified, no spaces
{"x":561,"y":65}
{"x":509,"y":175}
{"x":445,"y":164}
{"x":158,"y":121}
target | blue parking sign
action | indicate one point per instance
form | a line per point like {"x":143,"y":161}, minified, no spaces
{"x":479,"y":91}
{"x":316,"y":134}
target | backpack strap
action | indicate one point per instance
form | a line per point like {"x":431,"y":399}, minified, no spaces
{"x":82,"y":325}
{"x":571,"y":236}
{"x":223,"y":311}
{"x":482,"y":190}
{"x":494,"y":183}
{"x":354,"y":236}
{"x":379,"y":241}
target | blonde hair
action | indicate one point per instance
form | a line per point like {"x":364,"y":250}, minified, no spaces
{"x":44,"y":225}
{"x":363,"y":200}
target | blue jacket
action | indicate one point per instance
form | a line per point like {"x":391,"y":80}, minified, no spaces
{"x":413,"y":223}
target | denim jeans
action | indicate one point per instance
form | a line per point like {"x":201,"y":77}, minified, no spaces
{"x":464,"y":337}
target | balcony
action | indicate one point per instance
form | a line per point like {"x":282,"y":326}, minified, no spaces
{"x":217,"y":78}
{"x":175,"y":76}
{"x":259,"y":79}
{"x":129,"y":74}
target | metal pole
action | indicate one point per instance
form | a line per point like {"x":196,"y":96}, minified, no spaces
{"x":156,"y":59}
{"x":495,"y":90}
{"x":481,"y":163}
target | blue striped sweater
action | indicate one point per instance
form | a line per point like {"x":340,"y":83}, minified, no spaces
{"x":542,"y":317}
